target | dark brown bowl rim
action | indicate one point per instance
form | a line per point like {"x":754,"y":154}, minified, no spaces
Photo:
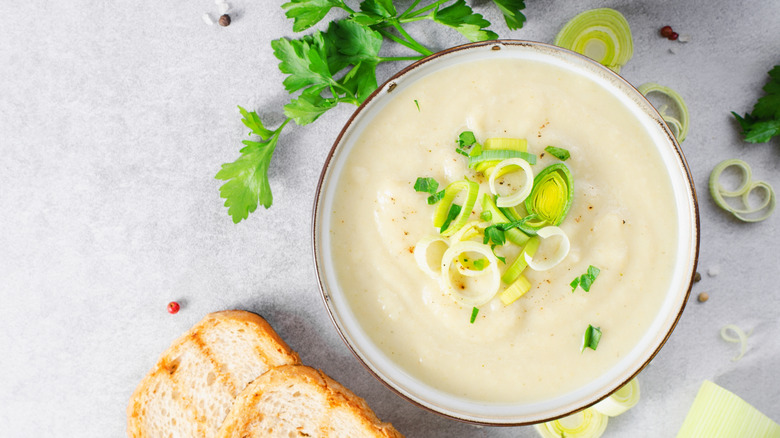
{"x":497,"y":45}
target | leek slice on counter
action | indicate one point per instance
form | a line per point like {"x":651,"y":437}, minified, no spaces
{"x":508,"y":166}
{"x":587,"y":423}
{"x":740,"y":336}
{"x":443,"y":207}
{"x":680,"y":125}
{"x":718,"y":413}
{"x":497,"y":217}
{"x":750,"y":212}
{"x":486,"y":293}
{"x":421,"y":255}
{"x":622,"y":400}
{"x":600,"y":34}
{"x":551,"y":196}
{"x":518,"y":266}
{"x":515,"y":290}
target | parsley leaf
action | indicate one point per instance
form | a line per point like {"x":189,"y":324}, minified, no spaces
{"x":436,"y":197}
{"x":307,"y":13}
{"x":361,"y":81}
{"x":494,"y":235}
{"x":462,"y":18}
{"x":357,"y":43}
{"x":511,"y":10}
{"x":466,"y":139}
{"x":427,"y":185}
{"x":247,"y":177}
{"x":559,"y":153}
{"x":474,"y":313}
{"x":585,"y":281}
{"x":764,"y":122}
{"x":304,"y":61}
{"x":451,"y":215}
{"x":591,"y":338}
{"x":374,"y":12}
{"x":307,"y":108}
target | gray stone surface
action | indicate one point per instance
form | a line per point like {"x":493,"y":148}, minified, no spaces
{"x":115,"y":116}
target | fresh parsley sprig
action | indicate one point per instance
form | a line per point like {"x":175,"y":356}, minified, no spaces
{"x":339,"y":65}
{"x":764,"y":122}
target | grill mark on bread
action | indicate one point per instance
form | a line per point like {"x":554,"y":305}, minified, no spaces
{"x":183,"y":400}
{"x":218,"y":366}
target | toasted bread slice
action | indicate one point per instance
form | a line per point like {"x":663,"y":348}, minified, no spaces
{"x":299,"y":401}
{"x":191,"y":389}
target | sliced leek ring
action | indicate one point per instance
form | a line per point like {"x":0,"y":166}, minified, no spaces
{"x":421,"y":254}
{"x":443,"y":207}
{"x":551,"y":196}
{"x":740,"y":337}
{"x":680,"y":125}
{"x":508,"y":166}
{"x":600,"y":34}
{"x":469,"y":231}
{"x":486,"y":293}
{"x":557,"y":257}
{"x":587,"y":423}
{"x":620,"y":401}
{"x":514,"y":144}
{"x":518,"y":266}
{"x":515,"y":290}
{"x":750,"y":213}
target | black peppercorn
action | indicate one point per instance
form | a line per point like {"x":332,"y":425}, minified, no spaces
{"x":224,"y":20}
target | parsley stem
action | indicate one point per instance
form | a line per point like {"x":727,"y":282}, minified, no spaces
{"x":281,"y":127}
{"x":411,"y":19}
{"x":418,"y":47}
{"x":427,"y":8}
{"x":409,"y":9}
{"x":401,"y":58}
{"x":387,"y":34}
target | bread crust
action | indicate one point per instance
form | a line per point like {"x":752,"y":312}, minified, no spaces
{"x":251,"y":406}
{"x":194,"y":352}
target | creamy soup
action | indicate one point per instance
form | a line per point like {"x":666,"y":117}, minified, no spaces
{"x":622,"y":220}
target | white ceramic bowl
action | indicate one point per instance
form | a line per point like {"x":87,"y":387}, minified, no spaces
{"x":436,"y":400}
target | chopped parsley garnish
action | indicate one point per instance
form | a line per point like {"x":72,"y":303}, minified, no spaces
{"x":474,"y":312}
{"x":427,"y":185}
{"x":494,"y":235}
{"x":417,"y":104}
{"x":467,"y":141}
{"x":436,"y":197}
{"x":452,"y":214}
{"x":764,"y":122}
{"x":585,"y":280}
{"x":591,"y":338}
{"x":559,"y":153}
